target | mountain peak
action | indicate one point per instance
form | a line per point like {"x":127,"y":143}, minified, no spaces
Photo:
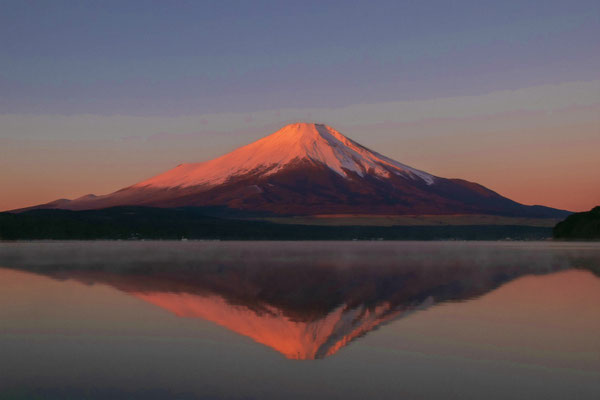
{"x":302,"y":126}
{"x":303,"y":131}
{"x":316,"y":143}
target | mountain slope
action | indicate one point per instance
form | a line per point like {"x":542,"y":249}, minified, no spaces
{"x":315,"y":143}
{"x":308,"y":169}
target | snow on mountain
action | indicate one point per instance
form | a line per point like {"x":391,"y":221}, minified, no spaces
{"x":316,"y":143}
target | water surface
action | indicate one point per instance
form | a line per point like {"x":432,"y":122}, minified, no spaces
{"x":352,"y":320}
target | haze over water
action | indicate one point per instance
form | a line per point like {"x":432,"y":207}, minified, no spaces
{"x":263,"y":320}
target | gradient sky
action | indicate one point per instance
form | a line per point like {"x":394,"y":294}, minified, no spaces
{"x":97,"y":95}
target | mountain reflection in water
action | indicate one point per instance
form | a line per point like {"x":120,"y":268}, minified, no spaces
{"x":301,"y":299}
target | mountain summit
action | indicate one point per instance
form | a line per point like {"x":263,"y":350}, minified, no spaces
{"x":314,"y":143}
{"x":309,"y":169}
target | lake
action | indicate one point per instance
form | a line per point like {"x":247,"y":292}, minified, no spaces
{"x":299,"y":320}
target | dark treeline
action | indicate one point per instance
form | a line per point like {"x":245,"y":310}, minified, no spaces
{"x":194,"y":223}
{"x":583,"y":225}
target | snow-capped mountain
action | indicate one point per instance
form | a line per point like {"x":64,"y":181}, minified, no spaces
{"x":309,"y":169}
{"x":315,"y":143}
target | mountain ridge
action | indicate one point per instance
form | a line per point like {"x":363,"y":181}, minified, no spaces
{"x":309,"y":169}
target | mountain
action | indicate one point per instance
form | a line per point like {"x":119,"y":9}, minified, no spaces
{"x":309,"y":169}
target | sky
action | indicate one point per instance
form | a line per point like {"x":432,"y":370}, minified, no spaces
{"x":98,"y":95}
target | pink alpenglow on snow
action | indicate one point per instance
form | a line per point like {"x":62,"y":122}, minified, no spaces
{"x":301,"y":141}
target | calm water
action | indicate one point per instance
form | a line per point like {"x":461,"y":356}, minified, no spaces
{"x":299,"y":320}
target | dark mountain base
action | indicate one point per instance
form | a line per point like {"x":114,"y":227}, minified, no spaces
{"x":304,"y":189}
{"x":583,"y":225}
{"x":193,"y":223}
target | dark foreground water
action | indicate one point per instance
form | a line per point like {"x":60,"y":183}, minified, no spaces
{"x":299,"y":320}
